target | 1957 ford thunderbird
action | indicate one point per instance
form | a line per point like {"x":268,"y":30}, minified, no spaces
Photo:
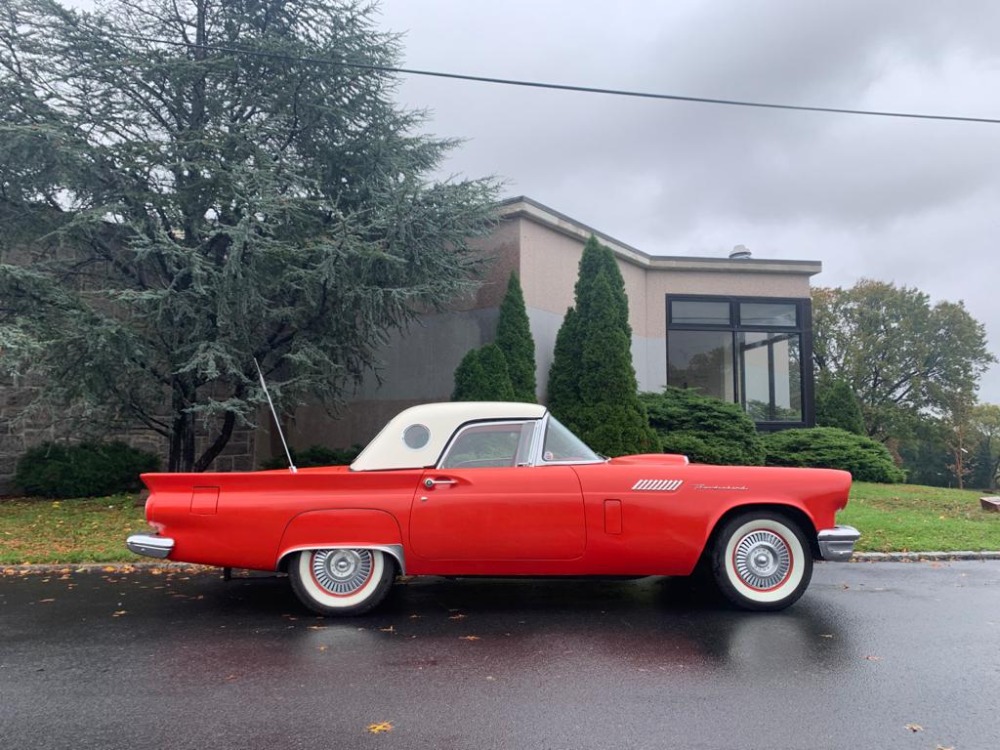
{"x":502,"y":489}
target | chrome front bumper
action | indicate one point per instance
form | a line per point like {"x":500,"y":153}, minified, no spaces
{"x":837,"y":544}
{"x":150,"y":545}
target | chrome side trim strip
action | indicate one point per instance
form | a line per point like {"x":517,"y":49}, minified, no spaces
{"x":150,"y":545}
{"x":396,"y":550}
{"x":837,"y":544}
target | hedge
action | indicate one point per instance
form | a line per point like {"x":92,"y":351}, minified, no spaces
{"x":833,"y":448}
{"x":93,"y":469}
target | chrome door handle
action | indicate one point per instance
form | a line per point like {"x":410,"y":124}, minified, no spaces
{"x":431,"y":483}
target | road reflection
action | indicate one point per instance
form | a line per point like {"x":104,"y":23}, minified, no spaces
{"x":509,"y":626}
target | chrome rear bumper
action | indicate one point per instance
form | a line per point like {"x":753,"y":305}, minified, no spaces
{"x":837,"y":544}
{"x":150,"y":545}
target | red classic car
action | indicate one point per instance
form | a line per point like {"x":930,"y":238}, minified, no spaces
{"x":502,"y":489}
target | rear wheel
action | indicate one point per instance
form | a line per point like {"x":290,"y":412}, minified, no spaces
{"x":341,"y":581}
{"x":761,"y":561}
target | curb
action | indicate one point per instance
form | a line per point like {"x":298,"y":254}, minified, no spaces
{"x":872,"y":557}
{"x":105,"y":567}
{"x":177,"y":567}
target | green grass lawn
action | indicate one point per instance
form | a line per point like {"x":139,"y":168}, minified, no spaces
{"x":68,"y":531}
{"x":892,"y":518}
{"x":914,"y":518}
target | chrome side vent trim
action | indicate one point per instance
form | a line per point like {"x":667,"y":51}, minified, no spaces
{"x":657,"y":485}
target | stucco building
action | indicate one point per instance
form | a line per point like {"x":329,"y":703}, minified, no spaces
{"x":735,"y":327}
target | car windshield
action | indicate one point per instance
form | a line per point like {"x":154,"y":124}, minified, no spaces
{"x":563,"y":445}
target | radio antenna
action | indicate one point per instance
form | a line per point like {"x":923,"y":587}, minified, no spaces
{"x":277,"y":422}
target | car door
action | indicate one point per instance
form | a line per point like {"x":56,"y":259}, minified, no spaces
{"x":484,"y":503}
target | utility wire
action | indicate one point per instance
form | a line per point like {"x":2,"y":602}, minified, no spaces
{"x":568,"y":87}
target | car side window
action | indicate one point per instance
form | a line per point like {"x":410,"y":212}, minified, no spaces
{"x":491,"y":444}
{"x":562,"y":445}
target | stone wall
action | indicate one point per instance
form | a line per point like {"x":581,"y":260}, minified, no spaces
{"x":18,"y":434}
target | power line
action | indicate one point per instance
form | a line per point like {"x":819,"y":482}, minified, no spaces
{"x":569,"y":87}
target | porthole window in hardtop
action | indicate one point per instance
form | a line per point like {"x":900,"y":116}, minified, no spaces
{"x":489,"y":444}
{"x":754,"y":351}
{"x":416,"y":436}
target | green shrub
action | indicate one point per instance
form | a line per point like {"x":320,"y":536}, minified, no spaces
{"x":837,"y":406}
{"x":315,"y":455}
{"x":60,"y":470}
{"x":705,"y":429}
{"x":833,"y":448}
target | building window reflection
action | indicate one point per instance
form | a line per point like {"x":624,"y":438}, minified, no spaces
{"x":752,"y":351}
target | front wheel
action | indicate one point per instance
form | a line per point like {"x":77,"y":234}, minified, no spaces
{"x":761,"y":561}
{"x":341,"y":581}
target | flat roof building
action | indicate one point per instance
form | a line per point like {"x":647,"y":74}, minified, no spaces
{"x":735,"y":327}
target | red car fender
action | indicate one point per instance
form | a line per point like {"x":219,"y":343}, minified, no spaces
{"x":348,"y":527}
{"x":795,"y":511}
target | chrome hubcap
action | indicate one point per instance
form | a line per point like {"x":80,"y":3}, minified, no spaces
{"x":762,"y":559}
{"x":342,"y":571}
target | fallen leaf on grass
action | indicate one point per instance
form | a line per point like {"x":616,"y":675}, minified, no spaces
{"x":380,"y":727}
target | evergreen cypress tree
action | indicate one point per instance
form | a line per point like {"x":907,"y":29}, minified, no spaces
{"x":469,"y":378}
{"x":837,"y":406}
{"x":482,"y":376}
{"x":515,"y":341}
{"x":563,"y":389}
{"x":612,"y":419}
{"x":597,"y":258}
{"x":498,"y":386}
{"x":592,"y":383}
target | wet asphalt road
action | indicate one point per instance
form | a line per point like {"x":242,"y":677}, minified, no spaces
{"x":184,"y":660}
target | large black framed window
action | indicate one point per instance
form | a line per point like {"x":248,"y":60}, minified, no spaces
{"x":755,"y":351}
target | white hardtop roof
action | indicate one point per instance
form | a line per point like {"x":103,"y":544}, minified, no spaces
{"x":388,"y":450}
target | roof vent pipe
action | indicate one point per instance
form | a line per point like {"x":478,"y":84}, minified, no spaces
{"x":739,"y":252}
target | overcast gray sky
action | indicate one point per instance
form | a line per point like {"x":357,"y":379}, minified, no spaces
{"x":907,"y":201}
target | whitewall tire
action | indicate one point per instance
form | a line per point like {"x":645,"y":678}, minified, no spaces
{"x":761,"y":561}
{"x":341,"y":581}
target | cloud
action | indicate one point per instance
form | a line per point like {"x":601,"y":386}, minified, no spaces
{"x":909,"y":201}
